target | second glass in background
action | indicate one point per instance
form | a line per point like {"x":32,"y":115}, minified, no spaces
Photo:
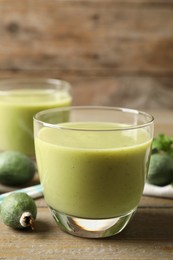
{"x":20,"y":100}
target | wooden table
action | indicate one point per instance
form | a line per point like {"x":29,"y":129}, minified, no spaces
{"x":149,"y":235}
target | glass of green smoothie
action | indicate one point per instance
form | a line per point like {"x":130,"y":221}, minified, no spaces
{"x":20,"y":99}
{"x":92,"y":163}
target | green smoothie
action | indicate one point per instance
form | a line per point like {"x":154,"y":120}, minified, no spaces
{"x":17,"y":108}
{"x":92,"y":174}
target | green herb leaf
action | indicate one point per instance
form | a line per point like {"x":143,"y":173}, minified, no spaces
{"x":163,"y":143}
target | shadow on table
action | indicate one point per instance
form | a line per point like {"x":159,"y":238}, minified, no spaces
{"x":153,"y":223}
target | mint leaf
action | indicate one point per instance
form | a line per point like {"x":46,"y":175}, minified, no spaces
{"x":163,"y":143}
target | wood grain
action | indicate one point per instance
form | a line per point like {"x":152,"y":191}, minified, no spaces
{"x":121,"y":48}
{"x":53,"y":34}
{"x":142,"y":239}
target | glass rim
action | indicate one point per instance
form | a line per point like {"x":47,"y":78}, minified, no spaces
{"x":9,"y":82}
{"x":119,"y":109}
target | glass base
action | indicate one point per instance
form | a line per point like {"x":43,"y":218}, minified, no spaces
{"x":91,"y":228}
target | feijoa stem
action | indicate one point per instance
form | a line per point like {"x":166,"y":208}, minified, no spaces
{"x":27,"y":220}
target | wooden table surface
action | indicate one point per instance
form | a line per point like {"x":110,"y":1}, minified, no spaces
{"x":149,"y":235}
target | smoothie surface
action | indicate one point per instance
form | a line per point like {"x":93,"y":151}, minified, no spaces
{"x":94,"y":135}
{"x":33,"y":97}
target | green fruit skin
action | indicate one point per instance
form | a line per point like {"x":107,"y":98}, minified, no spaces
{"x":160,"y":169}
{"x":13,"y":206}
{"x":15,"y":168}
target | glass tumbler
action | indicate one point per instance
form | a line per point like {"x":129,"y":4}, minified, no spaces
{"x":20,"y":99}
{"x":92,"y":163}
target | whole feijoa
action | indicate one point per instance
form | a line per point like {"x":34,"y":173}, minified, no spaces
{"x":16,"y":168}
{"x":160,"y":169}
{"x":18,"y":210}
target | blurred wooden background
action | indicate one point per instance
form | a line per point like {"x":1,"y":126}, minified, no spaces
{"x":114,"y":52}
